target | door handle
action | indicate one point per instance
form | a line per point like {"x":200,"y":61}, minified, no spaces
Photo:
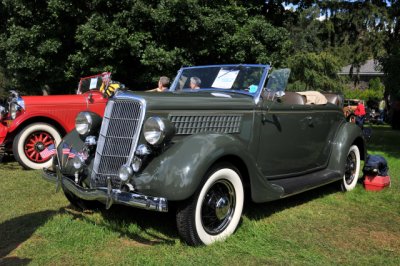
{"x":310,"y":120}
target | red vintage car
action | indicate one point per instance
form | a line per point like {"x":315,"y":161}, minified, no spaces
{"x":29,"y":124}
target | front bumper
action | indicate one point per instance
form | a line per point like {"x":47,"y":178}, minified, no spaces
{"x":108,"y":194}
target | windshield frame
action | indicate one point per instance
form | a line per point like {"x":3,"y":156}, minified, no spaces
{"x":255,"y":95}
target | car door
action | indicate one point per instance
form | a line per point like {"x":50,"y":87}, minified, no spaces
{"x":293,"y":136}
{"x":326,"y":120}
{"x":286,"y":145}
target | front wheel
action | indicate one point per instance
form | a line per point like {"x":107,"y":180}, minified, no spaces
{"x":214,"y":212}
{"x":352,"y":169}
{"x":32,"y":140}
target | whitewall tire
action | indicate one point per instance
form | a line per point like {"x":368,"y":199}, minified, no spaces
{"x":352,"y":169}
{"x":33,"y":139}
{"x":214,"y":212}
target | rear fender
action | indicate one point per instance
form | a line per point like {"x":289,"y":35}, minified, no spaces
{"x":348,"y":135}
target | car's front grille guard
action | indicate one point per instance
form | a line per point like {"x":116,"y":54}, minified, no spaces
{"x":119,"y":134}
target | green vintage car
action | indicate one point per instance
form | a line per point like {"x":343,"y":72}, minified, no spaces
{"x":221,"y":132}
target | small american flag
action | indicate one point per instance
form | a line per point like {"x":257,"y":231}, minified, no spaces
{"x":72,"y":154}
{"x":65,"y":149}
{"x":49,"y":151}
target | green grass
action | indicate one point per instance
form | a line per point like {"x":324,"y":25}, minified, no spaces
{"x":323,"y":226}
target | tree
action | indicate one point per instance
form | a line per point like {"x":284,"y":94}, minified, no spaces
{"x":391,"y":61}
{"x":312,"y":71}
{"x":52,"y":43}
{"x":35,"y":41}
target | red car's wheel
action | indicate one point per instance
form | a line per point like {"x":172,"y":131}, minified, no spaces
{"x":32,"y":140}
{"x":35,"y":143}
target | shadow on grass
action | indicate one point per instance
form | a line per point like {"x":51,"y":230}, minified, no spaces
{"x":8,"y":163}
{"x":384,"y":139}
{"x":119,"y":217}
{"x":258,"y":211}
{"x":15,"y":231}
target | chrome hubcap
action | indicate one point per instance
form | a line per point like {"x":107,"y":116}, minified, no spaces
{"x":350,"y":168}
{"x":218,"y":207}
{"x":222,"y":208}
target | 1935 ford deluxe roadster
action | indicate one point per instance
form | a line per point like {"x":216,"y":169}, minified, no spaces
{"x":219,"y":133}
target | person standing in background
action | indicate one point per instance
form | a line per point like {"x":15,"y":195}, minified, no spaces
{"x":382,"y":109}
{"x":360,"y":114}
{"x":163,"y":84}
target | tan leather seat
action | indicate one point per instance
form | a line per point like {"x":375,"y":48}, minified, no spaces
{"x":293,"y":98}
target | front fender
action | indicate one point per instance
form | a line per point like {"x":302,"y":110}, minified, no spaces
{"x":348,"y":135}
{"x":178,"y":172}
{"x":24,"y":117}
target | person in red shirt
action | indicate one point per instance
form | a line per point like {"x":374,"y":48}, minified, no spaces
{"x":360,"y":114}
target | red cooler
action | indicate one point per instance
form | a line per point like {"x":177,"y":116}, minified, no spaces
{"x":376,"y":183}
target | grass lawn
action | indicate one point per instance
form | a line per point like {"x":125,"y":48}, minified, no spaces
{"x":323,"y":226}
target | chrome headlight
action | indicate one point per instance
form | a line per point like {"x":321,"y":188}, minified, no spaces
{"x":78,"y":162}
{"x":157,"y":130}
{"x":14,"y":108}
{"x":125,"y":173}
{"x":87,"y":122}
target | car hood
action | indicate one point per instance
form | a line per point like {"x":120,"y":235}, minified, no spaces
{"x":51,"y":99}
{"x":201,"y":100}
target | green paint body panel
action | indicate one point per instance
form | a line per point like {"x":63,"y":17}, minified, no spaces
{"x":275,"y":142}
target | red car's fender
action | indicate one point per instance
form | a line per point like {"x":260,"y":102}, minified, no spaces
{"x":3,"y":133}
{"x":61,"y":109}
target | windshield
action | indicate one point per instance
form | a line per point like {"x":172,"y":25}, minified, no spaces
{"x":232,"y":78}
{"x":93,"y":82}
{"x":277,"y":82}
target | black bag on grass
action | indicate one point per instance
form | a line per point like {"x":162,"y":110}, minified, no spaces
{"x":375,"y":165}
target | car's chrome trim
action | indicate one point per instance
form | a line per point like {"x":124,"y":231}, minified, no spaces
{"x":186,"y":124}
{"x":109,"y":195}
{"x":105,"y":165}
{"x":141,"y":120}
{"x":264,"y":77}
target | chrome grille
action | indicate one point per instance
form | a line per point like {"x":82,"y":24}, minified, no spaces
{"x":118,"y":138}
{"x":192,"y":124}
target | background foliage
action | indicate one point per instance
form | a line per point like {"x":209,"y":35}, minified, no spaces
{"x":49,"y":44}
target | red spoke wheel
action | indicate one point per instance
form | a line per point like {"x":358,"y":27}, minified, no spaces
{"x":35,"y":143}
{"x":32,"y":140}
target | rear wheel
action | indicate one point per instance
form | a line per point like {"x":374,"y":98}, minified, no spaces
{"x":32,"y":140}
{"x":214,"y":212}
{"x":352,"y":169}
